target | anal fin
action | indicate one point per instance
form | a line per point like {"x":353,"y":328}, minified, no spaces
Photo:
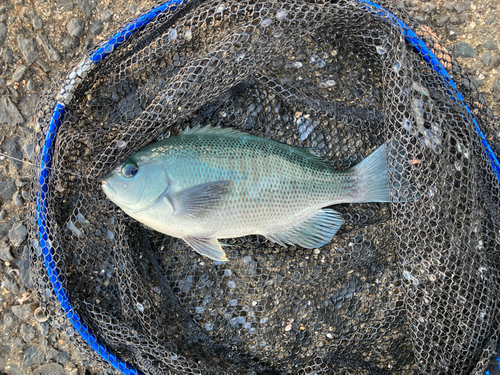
{"x":315,"y":231}
{"x":209,"y":247}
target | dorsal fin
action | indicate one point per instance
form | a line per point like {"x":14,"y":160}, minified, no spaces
{"x":307,"y":152}
{"x":198,"y":129}
{"x":312,"y":153}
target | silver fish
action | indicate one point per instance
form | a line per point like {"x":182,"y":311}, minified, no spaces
{"x":209,"y":183}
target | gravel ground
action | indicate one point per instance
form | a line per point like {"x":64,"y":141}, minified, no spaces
{"x":38,"y":41}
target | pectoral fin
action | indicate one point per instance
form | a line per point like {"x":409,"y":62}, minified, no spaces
{"x":315,"y":231}
{"x":209,"y":247}
{"x":196,"y":201}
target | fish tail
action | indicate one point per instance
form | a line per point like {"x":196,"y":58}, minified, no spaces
{"x":371,"y":175}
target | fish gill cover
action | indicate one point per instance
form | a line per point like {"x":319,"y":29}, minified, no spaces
{"x":409,"y":285}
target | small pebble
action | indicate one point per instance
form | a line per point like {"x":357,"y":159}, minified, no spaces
{"x":494,"y":62}
{"x":4,"y":9}
{"x":96,"y":27}
{"x":104,"y":14}
{"x":7,"y":189}
{"x":132,"y":9}
{"x":12,"y":286}
{"x":17,"y":342}
{"x":8,"y":55}
{"x":491,"y":18}
{"x":490,"y":44}
{"x":17,"y":199}
{"x":62,"y":357}
{"x":70,"y":42}
{"x":24,"y":312}
{"x":463,"y":49}
{"x":44,"y":65}
{"x":5,"y":253}
{"x":75,"y":27}
{"x":51,"y":369}
{"x":27,"y":333}
{"x":461,"y":7}
{"x":463,"y":17}
{"x":18,"y":234}
{"x":37,"y":23}
{"x":496,"y":87}
{"x":9,"y":114}
{"x":19,"y":73}
{"x":85,"y":6}
{"x":30,"y":85}
{"x":24,"y":272}
{"x":3,"y":33}
{"x":10,"y":321}
{"x":441,"y":20}
{"x":51,"y":53}
{"x":486,"y":58}
{"x":32,"y":356}
{"x":428,"y":8}
{"x":43,"y":328}
{"x":51,"y":354}
{"x":28,"y":49}
{"x":452,"y":32}
{"x":66,"y":4}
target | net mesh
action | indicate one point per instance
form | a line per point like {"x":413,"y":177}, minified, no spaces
{"x":411,"y":285}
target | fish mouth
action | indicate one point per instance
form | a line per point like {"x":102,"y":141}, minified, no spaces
{"x":106,"y":186}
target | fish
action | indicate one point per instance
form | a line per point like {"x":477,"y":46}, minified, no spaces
{"x":211,"y":183}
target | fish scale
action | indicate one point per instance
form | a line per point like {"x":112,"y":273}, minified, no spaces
{"x":210,"y":183}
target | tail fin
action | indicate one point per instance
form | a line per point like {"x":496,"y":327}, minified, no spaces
{"x":372,"y":177}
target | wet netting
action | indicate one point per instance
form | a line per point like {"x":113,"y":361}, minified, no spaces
{"x":410,"y":286}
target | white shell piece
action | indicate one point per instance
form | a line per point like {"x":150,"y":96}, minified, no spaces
{"x":84,"y":67}
{"x":74,"y":80}
{"x":68,"y":98}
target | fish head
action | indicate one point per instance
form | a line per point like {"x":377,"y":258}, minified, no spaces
{"x":136,"y":185}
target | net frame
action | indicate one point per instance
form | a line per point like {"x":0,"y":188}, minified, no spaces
{"x":78,"y":75}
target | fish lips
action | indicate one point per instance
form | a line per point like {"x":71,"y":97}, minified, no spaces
{"x":106,"y":184}
{"x":107,"y":188}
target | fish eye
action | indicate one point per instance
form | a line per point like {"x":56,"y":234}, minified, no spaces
{"x":129,"y":170}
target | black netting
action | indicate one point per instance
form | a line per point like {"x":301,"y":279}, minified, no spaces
{"x":406,"y":286}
